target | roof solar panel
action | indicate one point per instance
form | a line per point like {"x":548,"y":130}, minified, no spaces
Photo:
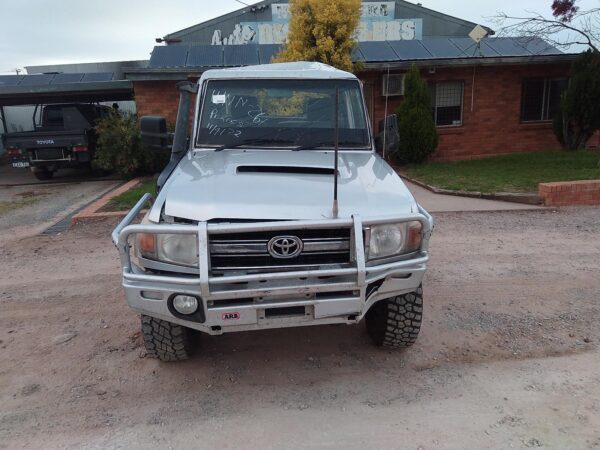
{"x":62,"y":78}
{"x":409,"y":50}
{"x":266,"y":52}
{"x":538,"y":46}
{"x":41,"y":79}
{"x":205,"y":56}
{"x":357,"y":54}
{"x":377,"y":51}
{"x":240,"y":55}
{"x":168,"y":56}
{"x":442,"y":48}
{"x":507,"y":46}
{"x":470,"y":49}
{"x":10,"y":80}
{"x":97,"y":76}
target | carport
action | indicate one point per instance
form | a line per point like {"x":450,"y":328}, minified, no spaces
{"x":49,"y":88}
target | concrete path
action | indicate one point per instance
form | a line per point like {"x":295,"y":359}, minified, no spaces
{"x":445,"y":203}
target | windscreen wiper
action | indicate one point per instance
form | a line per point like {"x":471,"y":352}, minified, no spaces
{"x":256,"y":141}
{"x":312,"y":146}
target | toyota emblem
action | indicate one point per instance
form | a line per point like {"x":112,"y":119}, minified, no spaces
{"x":285,"y":247}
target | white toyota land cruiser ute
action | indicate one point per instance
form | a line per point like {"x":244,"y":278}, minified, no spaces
{"x":274,"y":211}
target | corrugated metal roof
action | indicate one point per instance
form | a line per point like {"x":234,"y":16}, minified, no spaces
{"x":63,"y":87}
{"x":36,"y":80}
{"x":10,"y":80}
{"x":92,"y":77}
{"x":52,"y":79}
{"x":205,"y":56}
{"x":68,"y":78}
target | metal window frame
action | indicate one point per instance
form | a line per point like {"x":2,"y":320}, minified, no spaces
{"x":385,"y":84}
{"x":462,"y":103}
{"x":545,"y":110}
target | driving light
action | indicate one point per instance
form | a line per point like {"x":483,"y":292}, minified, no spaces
{"x":180,"y":249}
{"x":185,"y":304}
{"x":393,"y":239}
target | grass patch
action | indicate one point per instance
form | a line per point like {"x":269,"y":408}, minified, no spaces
{"x":127,"y":200}
{"x":519,"y":172}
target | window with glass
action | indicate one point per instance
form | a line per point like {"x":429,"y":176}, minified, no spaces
{"x":282,"y":114}
{"x":447,"y":100}
{"x":540,"y":98}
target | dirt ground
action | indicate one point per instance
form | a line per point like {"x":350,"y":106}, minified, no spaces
{"x":507,"y":357}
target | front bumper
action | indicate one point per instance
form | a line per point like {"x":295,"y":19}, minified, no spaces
{"x":270,"y":300}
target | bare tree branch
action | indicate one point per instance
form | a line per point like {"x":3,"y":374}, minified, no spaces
{"x":582,"y":28}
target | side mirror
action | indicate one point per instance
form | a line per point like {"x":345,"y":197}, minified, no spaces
{"x":388,"y":127}
{"x":154,"y":133}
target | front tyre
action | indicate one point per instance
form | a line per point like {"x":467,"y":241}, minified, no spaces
{"x":395,"y":322}
{"x":165,"y":340}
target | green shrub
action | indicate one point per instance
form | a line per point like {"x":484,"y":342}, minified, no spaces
{"x":418,"y":136}
{"x":579,"y":115}
{"x":119,"y":147}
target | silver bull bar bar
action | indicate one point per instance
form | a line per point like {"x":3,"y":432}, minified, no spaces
{"x":274,"y":283}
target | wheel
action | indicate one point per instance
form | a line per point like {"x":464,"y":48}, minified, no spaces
{"x":396,"y":322}
{"x":165,"y":340}
{"x":43,"y":174}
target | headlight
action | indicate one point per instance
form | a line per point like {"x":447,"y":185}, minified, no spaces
{"x":393,"y":239}
{"x":181,"y":249}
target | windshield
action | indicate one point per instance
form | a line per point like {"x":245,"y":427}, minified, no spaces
{"x":282,"y":113}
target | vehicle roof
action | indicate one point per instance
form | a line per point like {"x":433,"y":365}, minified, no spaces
{"x":291,"y":70}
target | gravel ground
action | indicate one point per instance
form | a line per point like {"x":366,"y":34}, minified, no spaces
{"x":26,"y":210}
{"x":507,"y":357}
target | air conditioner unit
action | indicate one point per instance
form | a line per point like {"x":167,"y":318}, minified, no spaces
{"x":393,"y":84}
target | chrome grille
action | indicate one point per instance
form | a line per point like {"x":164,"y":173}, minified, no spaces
{"x":248,"y":252}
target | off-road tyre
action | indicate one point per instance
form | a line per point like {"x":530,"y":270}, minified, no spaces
{"x":43,"y":174}
{"x":396,"y":322}
{"x":165,"y":340}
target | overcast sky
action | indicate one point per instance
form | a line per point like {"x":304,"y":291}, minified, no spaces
{"x":37,"y":32}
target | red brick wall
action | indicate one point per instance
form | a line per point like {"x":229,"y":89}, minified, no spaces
{"x":595,"y":140}
{"x":493,"y":126}
{"x":158,"y":98}
{"x":570,"y":193}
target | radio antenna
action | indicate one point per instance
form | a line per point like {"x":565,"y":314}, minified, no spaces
{"x":387,"y":84}
{"x":334,"y":211}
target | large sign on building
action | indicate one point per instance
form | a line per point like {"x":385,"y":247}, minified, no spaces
{"x":377,"y":23}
